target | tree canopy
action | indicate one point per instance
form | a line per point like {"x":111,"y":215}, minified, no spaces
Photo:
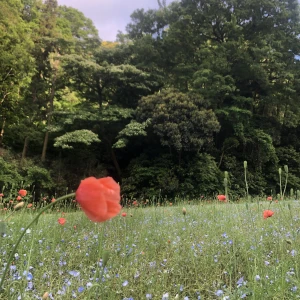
{"x":192,"y":89}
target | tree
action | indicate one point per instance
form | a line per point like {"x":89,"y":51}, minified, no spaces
{"x":15,"y":60}
{"x":178,"y":120}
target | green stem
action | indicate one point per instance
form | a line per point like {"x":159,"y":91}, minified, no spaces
{"x":247,"y":189}
{"x":23,"y":233}
{"x":280,"y":185}
{"x":286,"y":180}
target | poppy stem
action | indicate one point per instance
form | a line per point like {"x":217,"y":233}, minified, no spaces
{"x":35,"y":220}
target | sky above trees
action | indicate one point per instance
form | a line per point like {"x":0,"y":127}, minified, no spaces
{"x":109,"y":16}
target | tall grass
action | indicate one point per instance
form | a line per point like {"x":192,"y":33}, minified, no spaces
{"x":214,"y":251}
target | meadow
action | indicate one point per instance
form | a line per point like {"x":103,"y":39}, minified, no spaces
{"x":215,"y":251}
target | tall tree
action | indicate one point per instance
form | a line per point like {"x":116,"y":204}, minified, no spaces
{"x":15,"y":60}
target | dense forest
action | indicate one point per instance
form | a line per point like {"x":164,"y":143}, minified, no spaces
{"x":191,"y":90}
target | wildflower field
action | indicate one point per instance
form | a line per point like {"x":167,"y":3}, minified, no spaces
{"x":190,"y":250}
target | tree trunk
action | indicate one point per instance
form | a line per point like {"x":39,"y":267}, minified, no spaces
{"x":25,"y":147}
{"x":45,"y":145}
{"x":51,"y":108}
{"x":2,"y":131}
{"x":116,"y":164}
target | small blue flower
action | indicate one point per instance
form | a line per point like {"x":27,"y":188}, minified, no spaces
{"x":148,"y":296}
{"x":80,"y":289}
{"x":219,"y":293}
{"x":240,"y":282}
{"x":125,"y":283}
{"x":294,"y":289}
{"x":74,"y":273}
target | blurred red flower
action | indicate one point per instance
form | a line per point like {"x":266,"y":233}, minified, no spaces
{"x":22,"y":193}
{"x":268,"y":213}
{"x":29,"y":205}
{"x":124,"y":214}
{"x":99,"y":198}
{"x":61,"y":221}
{"x":19,"y":198}
{"x":269,"y":198}
{"x":221,"y":198}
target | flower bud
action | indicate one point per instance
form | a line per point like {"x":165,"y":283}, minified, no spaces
{"x":245,"y":164}
{"x":19,"y":205}
{"x":184,"y":211}
{"x":45,"y":296}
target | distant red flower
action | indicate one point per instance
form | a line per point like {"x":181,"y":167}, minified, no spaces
{"x":99,"y":198}
{"x":29,"y":205}
{"x":22,"y":193}
{"x":135,"y":202}
{"x":268,"y":213}
{"x":170,"y":203}
{"x":124,"y":214}
{"x":19,"y":198}
{"x":1,"y":195}
{"x":221,"y":198}
{"x":53,"y":200}
{"x":269,"y":198}
{"x":61,"y":221}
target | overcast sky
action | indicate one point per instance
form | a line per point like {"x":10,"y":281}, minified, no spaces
{"x":109,"y":16}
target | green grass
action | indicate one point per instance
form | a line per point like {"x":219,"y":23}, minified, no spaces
{"x":215,"y":247}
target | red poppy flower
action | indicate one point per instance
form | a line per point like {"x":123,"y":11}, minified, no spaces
{"x":53,"y":200}
{"x":221,"y":198}
{"x":29,"y":205}
{"x":268,"y":213}
{"x":19,"y":198}
{"x":124,"y":214}
{"x":269,"y":198}
{"x":22,"y":193}
{"x":1,"y":195}
{"x":135,"y":202}
{"x":61,"y":221}
{"x":99,"y":198}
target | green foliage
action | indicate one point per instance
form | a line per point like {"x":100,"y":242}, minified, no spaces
{"x":151,"y":177}
{"x":83,"y":136}
{"x":9,"y":172}
{"x":200,"y":176}
{"x":39,"y":177}
{"x":133,"y":129}
{"x":211,"y":77}
{"x":178,"y":121}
